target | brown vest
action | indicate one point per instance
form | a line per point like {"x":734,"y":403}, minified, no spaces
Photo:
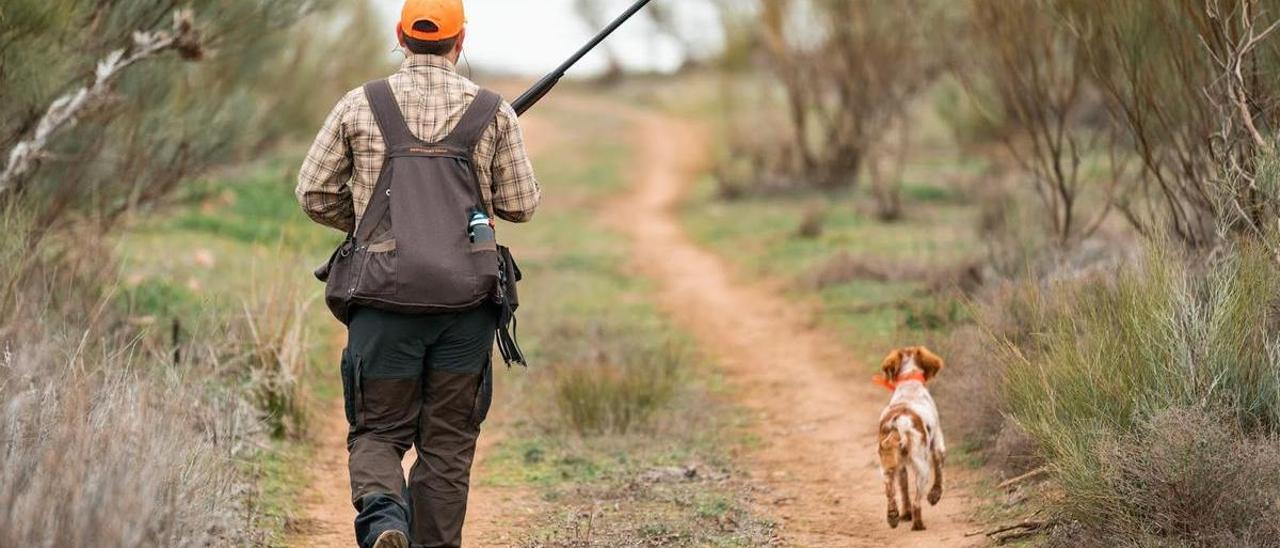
{"x":412,"y":251}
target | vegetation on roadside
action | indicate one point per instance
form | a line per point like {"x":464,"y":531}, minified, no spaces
{"x":153,"y":370}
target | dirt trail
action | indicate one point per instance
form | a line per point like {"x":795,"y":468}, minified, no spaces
{"x":815,"y":410}
{"x":494,"y":513}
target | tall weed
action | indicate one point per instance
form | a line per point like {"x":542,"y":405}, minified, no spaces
{"x":275,"y":339}
{"x":112,"y":446}
{"x":1104,"y":358}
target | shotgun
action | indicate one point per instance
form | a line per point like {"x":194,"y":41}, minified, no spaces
{"x":540,"y":89}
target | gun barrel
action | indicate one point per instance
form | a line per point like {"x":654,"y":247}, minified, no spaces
{"x":540,"y":89}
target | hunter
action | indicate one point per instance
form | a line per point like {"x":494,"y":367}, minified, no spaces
{"x":416,"y":372}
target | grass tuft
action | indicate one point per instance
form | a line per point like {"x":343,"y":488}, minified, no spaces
{"x":612,"y":383}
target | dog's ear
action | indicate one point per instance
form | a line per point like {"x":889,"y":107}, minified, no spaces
{"x":891,"y":365}
{"x":929,"y":362}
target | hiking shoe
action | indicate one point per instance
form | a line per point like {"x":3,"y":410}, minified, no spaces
{"x":392,"y":539}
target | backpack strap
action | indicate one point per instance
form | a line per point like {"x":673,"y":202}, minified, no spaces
{"x":395,"y":131}
{"x":481,"y":113}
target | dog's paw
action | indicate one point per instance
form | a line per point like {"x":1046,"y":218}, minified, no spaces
{"x":917,"y":525}
{"x":935,"y":495}
{"x":893,"y":518}
{"x":906,"y":516}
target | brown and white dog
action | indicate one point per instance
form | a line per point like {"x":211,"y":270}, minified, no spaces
{"x":911,"y":444}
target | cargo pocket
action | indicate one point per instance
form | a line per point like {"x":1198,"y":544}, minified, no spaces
{"x":357,"y":399}
{"x":348,"y":387}
{"x":484,"y":395}
{"x":379,"y":276}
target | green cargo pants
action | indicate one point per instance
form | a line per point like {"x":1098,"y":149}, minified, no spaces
{"x":423,"y":381}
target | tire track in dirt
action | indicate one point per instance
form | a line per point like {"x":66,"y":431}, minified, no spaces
{"x":817,"y":423}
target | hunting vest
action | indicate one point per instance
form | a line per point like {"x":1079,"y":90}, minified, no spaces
{"x":411,"y":252}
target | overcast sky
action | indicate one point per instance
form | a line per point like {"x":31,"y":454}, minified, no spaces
{"x":531,"y":37}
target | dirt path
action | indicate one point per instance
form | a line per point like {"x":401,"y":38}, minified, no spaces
{"x":494,"y":513}
{"x":815,"y":411}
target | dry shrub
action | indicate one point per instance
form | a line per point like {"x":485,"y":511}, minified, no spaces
{"x":846,"y":267}
{"x":847,"y":73}
{"x":1003,"y":217}
{"x":1190,"y":81}
{"x":275,"y":337}
{"x":968,"y":395}
{"x":112,"y":434}
{"x":109,"y":446}
{"x":1087,"y":362}
{"x":1054,"y":119}
{"x":1185,"y":477}
{"x":607,"y":380}
{"x":969,"y":398}
{"x":812,"y":224}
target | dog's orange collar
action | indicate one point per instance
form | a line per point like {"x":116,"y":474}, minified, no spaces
{"x":892,"y":385}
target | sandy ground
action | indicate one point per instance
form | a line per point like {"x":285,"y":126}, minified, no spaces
{"x":816,"y":463}
{"x":817,"y":422}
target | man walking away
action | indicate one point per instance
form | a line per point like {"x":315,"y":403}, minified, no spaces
{"x":417,"y":376}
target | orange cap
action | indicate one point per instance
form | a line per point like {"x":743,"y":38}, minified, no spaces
{"x":447,"y":16}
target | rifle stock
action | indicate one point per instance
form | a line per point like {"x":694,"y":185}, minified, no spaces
{"x":544,"y":86}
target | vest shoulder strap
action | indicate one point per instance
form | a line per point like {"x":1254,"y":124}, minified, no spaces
{"x":395,"y":131}
{"x":481,"y":113}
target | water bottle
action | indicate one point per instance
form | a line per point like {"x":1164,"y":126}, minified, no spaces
{"x":481,"y":228}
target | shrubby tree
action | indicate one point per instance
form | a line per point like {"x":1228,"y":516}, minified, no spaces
{"x":148,"y":93}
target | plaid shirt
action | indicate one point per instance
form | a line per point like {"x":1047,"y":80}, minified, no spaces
{"x":342,"y":167}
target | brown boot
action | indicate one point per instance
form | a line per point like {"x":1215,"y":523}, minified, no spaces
{"x":392,"y":539}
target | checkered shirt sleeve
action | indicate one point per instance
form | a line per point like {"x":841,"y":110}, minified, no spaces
{"x":323,"y":189}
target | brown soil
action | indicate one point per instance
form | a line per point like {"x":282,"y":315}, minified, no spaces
{"x":815,"y":411}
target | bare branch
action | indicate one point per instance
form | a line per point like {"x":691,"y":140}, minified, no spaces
{"x":65,"y":111}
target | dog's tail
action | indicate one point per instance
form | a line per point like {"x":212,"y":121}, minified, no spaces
{"x":894,"y":437}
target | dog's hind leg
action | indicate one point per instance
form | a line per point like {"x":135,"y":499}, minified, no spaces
{"x":892,"y":513}
{"x":938,"y":456}
{"x":935,"y":493}
{"x":908,"y":513}
{"x":920,"y":463}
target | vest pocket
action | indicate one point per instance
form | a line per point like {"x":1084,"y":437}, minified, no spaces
{"x":379,"y":273}
{"x":484,"y":259}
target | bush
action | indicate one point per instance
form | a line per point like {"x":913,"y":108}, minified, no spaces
{"x":116,"y":431}
{"x":1185,"y":477}
{"x":1113,"y":351}
{"x":275,"y":339}
{"x":823,"y":55}
{"x":606,"y":381}
{"x":1094,"y":363}
{"x":104,"y":445}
